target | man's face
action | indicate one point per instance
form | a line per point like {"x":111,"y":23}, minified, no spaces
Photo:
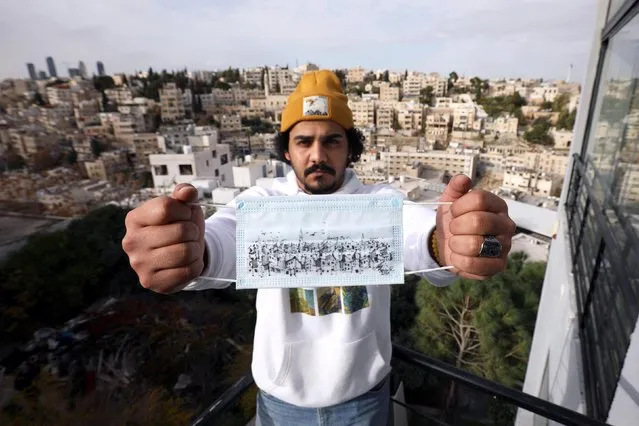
{"x":318,"y":152}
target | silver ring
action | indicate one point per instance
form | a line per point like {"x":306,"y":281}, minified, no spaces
{"x":491,"y":247}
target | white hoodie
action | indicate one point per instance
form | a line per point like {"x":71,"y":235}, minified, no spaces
{"x":313,"y":354}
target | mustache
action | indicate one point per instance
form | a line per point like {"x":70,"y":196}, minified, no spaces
{"x":319,"y":167}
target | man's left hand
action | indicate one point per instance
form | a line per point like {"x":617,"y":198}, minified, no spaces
{"x":463,"y":226}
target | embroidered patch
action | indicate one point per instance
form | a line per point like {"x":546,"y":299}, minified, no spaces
{"x":315,"y":105}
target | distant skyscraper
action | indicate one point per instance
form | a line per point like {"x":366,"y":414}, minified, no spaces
{"x":75,"y":72}
{"x":32,"y":71}
{"x":101,"y":71}
{"x":83,"y":69}
{"x":51,"y":66}
{"x":42,"y":75}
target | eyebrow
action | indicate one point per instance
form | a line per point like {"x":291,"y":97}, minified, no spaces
{"x":304,"y":138}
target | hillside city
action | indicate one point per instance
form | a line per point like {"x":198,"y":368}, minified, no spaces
{"x":70,"y":144}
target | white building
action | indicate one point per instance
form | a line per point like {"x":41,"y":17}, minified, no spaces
{"x":172,"y":102}
{"x":169,"y":170}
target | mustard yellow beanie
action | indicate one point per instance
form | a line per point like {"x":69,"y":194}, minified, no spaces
{"x":318,"y":96}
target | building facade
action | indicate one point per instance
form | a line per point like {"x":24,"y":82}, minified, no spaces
{"x":586,"y":343}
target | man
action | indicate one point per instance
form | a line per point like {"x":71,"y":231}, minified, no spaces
{"x":321,"y":356}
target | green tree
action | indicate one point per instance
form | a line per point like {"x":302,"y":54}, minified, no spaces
{"x":385,"y":76}
{"x":102,"y":83}
{"x":452,"y":79}
{"x":38,"y":99}
{"x":427,"y":96}
{"x":561,"y":102}
{"x":539,"y":132}
{"x":342,"y":76}
{"x":566,"y":120}
{"x":485,"y":328}
{"x":396,"y":126}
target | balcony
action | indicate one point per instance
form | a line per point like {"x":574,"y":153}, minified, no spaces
{"x":472,"y":400}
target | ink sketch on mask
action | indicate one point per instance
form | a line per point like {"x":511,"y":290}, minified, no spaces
{"x":311,"y":244}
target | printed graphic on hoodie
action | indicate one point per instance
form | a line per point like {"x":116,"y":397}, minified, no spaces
{"x":328,"y":300}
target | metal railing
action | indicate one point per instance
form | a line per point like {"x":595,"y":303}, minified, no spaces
{"x":603,"y":246}
{"x":503,"y":393}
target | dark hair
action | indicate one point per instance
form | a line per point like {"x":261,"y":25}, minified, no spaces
{"x":354,"y":136}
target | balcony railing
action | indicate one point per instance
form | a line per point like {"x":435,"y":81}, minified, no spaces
{"x":465,"y":380}
{"x":604,"y":249}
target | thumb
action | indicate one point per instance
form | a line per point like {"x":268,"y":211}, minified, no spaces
{"x":458,"y":186}
{"x":185,"y":193}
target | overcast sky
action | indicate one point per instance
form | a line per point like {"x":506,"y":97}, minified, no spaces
{"x":489,"y":38}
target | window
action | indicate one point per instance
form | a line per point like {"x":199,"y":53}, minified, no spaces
{"x":161,"y":170}
{"x":217,"y":172}
{"x":214,"y":153}
{"x":224,"y":158}
{"x":186,"y":169}
{"x":207,"y":163}
{"x":602,"y":209}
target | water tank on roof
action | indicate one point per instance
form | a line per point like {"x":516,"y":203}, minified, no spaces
{"x":187,"y":149}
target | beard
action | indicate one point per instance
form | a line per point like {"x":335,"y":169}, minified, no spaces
{"x":327,"y":183}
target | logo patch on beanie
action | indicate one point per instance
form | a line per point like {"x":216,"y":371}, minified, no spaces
{"x":315,"y":105}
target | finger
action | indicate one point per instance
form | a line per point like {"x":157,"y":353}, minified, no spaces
{"x":175,"y":256}
{"x":481,"y":223}
{"x":172,"y":280}
{"x":158,"y":211}
{"x":480,"y":266}
{"x":458,"y":186}
{"x":154,"y":237}
{"x":470,"y":245}
{"x":197,"y":217}
{"x":185,"y":193}
{"x":478,"y":201}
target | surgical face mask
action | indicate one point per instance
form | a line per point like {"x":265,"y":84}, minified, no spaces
{"x":319,"y":241}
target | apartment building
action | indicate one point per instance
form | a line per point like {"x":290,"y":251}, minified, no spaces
{"x":107,"y":165}
{"x":230,"y":123}
{"x":248,"y":173}
{"x":503,"y":125}
{"x":26,"y":142}
{"x":143,"y":145}
{"x":279,"y":79}
{"x":60,"y":93}
{"x":169,"y":170}
{"x":562,"y":138}
{"x":355,"y":75}
{"x":437,"y":125}
{"x":410,"y":119}
{"x":254,"y":76}
{"x":384,"y":119}
{"x":119,"y":95}
{"x":397,"y":162}
{"x":363,"y":113}
{"x":530,"y":182}
{"x":270,"y":103}
{"x":172,"y":103}
{"x":388,"y":93}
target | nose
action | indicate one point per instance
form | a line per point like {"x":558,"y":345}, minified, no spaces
{"x":318,"y":152}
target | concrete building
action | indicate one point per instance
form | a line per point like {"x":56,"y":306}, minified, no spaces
{"x":530,"y":182}
{"x":363,"y":113}
{"x":230,"y":123}
{"x":170,"y":169}
{"x":172,"y":103}
{"x":397,"y":162}
{"x":562,"y":138}
{"x":355,"y":75}
{"x":388,"y":93}
{"x":502,"y":125}
{"x":119,"y":95}
{"x":143,"y":145}
{"x":107,"y":165}
{"x":384,"y":118}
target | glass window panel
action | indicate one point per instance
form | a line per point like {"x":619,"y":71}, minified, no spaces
{"x":613,"y":146}
{"x":615,"y":5}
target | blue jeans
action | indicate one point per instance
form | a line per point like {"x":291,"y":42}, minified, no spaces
{"x":369,"y":409}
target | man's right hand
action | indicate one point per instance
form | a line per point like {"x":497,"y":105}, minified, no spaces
{"x":165,"y":240}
